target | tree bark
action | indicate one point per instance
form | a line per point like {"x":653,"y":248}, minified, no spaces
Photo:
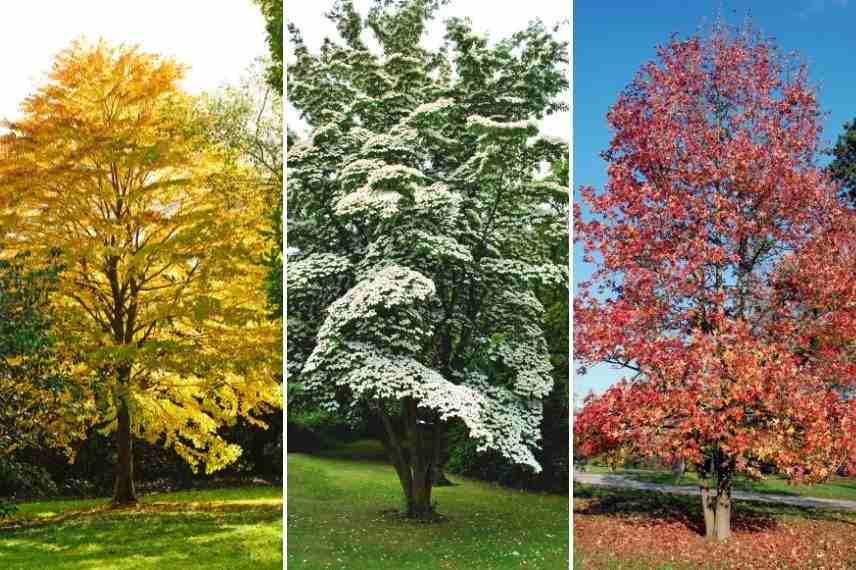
{"x":723,"y":513}
{"x":123,"y":489}
{"x":717,"y":511}
{"x":707,"y":506}
{"x":413,"y":453}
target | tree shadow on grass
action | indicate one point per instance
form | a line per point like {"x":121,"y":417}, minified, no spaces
{"x":159,"y":535}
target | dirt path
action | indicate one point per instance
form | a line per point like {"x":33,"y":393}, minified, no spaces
{"x":608,"y":480}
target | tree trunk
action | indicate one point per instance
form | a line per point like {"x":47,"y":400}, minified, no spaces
{"x":717,"y":511}
{"x":412,"y":450}
{"x":123,"y":489}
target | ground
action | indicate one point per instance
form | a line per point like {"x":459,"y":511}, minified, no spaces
{"x":643,"y":530}
{"x":228,"y":529}
{"x":338,"y":519}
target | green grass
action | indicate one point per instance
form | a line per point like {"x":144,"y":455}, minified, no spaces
{"x":836,"y":488}
{"x":237,"y":528}
{"x":336,"y":520}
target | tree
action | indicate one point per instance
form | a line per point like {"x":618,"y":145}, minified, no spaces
{"x":843,"y":166}
{"x":35,"y":406}
{"x":158,"y":233}
{"x":721,"y":282}
{"x":272,"y":12}
{"x":414,"y":207}
{"x":247,"y":118}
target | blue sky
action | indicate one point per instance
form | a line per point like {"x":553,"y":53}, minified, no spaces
{"x":613,"y":39}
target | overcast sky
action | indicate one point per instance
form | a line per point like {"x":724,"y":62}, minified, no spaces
{"x":217,"y":39}
{"x":496,"y":19}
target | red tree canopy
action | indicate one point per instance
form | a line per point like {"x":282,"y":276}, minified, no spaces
{"x":725,"y":269}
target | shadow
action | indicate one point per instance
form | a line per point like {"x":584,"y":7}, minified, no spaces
{"x":663,"y":508}
{"x":158,"y":535}
{"x":360,"y":450}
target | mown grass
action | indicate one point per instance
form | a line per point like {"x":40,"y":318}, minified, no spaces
{"x":336,"y":520}
{"x":836,"y":488}
{"x":237,"y":528}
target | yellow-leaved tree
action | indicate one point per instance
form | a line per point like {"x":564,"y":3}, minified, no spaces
{"x":160,"y":233}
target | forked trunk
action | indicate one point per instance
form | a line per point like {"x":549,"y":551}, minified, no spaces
{"x":123,"y":488}
{"x":716,"y":505}
{"x":412,"y":449}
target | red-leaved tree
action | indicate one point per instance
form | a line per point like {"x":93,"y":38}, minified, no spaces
{"x":725,"y":274}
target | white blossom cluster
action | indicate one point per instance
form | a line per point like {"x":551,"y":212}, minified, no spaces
{"x":366,"y":200}
{"x":485,"y":125}
{"x":438,"y":197}
{"x":441,"y":248}
{"x":304,"y":275}
{"x":545,"y":273}
{"x":510,"y":424}
{"x":429,"y":110}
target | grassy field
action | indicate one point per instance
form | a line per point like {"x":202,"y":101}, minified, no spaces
{"x":238,"y":528}
{"x":836,"y":488}
{"x":336,"y":520}
{"x":642,"y":530}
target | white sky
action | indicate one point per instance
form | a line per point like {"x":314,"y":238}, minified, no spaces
{"x":496,"y":19}
{"x":218,"y":39}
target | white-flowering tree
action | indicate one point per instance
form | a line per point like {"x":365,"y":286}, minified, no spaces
{"x":418,"y":207}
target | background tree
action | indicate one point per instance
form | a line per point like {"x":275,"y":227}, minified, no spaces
{"x":247,"y":118}
{"x":36,"y":407}
{"x":159,"y":240}
{"x":843,"y":166}
{"x":705,"y":237}
{"x":272,"y":11}
{"x":415,"y":206}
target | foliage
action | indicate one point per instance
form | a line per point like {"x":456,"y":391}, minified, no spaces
{"x":724,"y":278}
{"x":248,"y":119}
{"x":843,"y":166}
{"x":24,"y":480}
{"x":272,"y":11}
{"x":240,"y":527}
{"x":157,"y":231}
{"x":414,"y":206}
{"x":333,"y":514}
{"x":32,"y":390}
{"x":553,"y":454}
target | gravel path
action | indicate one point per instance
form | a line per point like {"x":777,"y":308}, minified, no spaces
{"x":607,"y":480}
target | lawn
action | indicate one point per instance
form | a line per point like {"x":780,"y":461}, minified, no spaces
{"x":642,"y":530}
{"x":337,"y":519}
{"x":836,"y":488}
{"x":236,"y":528}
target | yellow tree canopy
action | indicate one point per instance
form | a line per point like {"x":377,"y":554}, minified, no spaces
{"x":160,"y":232}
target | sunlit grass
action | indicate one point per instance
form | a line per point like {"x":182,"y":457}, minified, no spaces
{"x":336,"y":520}
{"x":238,"y":528}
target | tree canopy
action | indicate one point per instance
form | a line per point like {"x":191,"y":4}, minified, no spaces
{"x":414,"y":206}
{"x":156,"y":227}
{"x":722,"y":280}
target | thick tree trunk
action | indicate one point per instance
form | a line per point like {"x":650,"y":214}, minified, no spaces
{"x":123,"y":489}
{"x":716,"y":506}
{"x":413,"y":453}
